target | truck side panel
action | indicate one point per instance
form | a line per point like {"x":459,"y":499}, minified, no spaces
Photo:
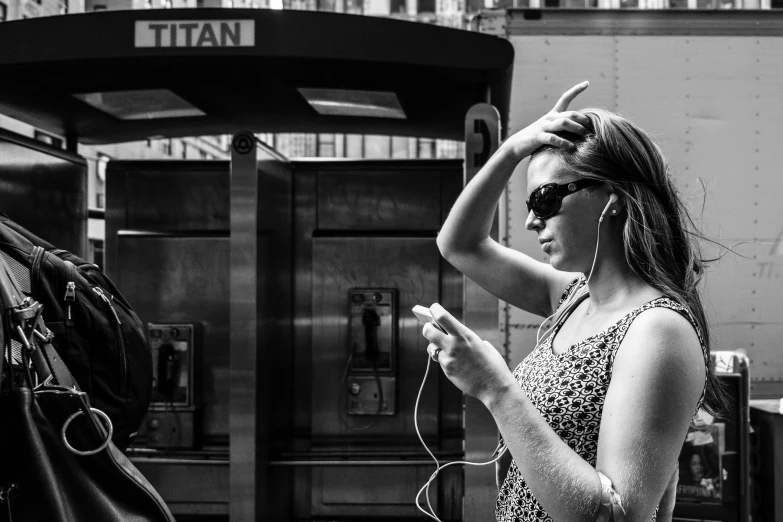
{"x":712,"y":103}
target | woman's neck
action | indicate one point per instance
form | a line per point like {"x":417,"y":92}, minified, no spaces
{"x":613,"y":284}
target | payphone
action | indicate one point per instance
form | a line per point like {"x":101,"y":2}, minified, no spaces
{"x":172,"y":419}
{"x":372,"y":341}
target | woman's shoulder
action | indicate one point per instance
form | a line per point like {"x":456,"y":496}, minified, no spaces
{"x":664,"y":334}
{"x":670,"y":317}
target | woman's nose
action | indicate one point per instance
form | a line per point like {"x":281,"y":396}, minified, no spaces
{"x":532,"y":222}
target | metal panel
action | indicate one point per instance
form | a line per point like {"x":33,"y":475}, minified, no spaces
{"x":724,"y":152}
{"x":629,"y":22}
{"x":44,"y":190}
{"x":299,"y":388}
{"x":716,"y":118}
{"x":189,"y":197}
{"x":326,"y":460}
{"x":189,"y":487}
{"x":184,"y":280}
{"x":248,"y":495}
{"x":365,"y":491}
{"x":403,"y":200}
{"x":194,"y":197}
{"x":339,"y":264}
{"x":261,"y":211}
{"x":480,"y":313}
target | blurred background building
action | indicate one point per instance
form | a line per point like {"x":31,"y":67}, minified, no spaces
{"x":451,"y":13}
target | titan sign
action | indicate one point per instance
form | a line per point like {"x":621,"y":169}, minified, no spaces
{"x":195,"y":33}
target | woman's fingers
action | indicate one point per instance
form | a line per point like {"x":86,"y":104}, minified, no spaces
{"x":578,"y":117}
{"x":446,"y":320}
{"x":564,"y":124}
{"x":568,"y":96}
{"x":546,"y":138}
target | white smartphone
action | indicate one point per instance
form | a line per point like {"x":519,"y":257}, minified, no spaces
{"x":425,"y":317}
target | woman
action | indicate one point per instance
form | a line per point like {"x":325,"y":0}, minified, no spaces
{"x":596,"y":415}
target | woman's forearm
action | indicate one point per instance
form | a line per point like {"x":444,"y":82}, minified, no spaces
{"x":565,"y":485}
{"x":470,"y":220}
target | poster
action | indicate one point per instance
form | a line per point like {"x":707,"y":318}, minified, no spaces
{"x":700,"y":463}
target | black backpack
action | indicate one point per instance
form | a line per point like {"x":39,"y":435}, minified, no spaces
{"x":96,"y":332}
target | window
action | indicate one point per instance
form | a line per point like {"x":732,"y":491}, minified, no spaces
{"x":100,"y":167}
{"x":3,"y":12}
{"x":397,"y":7}
{"x":301,"y":146}
{"x":326,"y":146}
{"x":426,"y":6}
{"x":96,"y":252}
{"x":399,"y":148}
{"x":449,"y":149}
{"x":355,"y":6}
{"x":354,"y":146}
{"x":47,"y":138}
{"x":426,"y":148}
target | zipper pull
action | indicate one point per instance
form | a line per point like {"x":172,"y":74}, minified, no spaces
{"x":98,"y":291}
{"x":70,"y":298}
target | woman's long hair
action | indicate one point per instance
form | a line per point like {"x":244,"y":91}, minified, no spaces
{"x":658,"y":233}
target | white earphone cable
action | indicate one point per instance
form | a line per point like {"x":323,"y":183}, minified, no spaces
{"x":426,"y":487}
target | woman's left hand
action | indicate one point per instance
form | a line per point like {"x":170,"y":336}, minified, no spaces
{"x":473,"y":365}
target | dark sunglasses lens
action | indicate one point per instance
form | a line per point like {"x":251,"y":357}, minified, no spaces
{"x":544,"y":202}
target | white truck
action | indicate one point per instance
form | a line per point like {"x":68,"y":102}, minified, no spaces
{"x":709,"y":86}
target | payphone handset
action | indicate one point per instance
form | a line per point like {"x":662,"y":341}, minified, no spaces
{"x":173,"y":419}
{"x":371,"y":371}
{"x":425,"y":316}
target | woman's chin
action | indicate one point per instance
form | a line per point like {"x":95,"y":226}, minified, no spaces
{"x":558,"y":263}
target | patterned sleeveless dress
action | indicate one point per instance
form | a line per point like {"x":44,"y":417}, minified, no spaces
{"x":569,"y":391}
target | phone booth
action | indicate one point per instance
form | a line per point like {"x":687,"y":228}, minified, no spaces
{"x":276,"y":293}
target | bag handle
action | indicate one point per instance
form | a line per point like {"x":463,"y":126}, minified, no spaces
{"x":22,"y":319}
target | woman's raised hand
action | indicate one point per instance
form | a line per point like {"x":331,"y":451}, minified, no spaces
{"x":542,"y":132}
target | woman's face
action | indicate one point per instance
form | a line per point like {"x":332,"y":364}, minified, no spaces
{"x":568,"y":237}
{"x":697,"y":470}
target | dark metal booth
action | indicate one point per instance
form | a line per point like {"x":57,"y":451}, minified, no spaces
{"x":277,"y":293}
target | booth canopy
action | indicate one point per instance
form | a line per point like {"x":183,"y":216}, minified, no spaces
{"x":118,"y":76}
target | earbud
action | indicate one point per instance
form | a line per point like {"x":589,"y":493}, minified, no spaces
{"x":612,"y":199}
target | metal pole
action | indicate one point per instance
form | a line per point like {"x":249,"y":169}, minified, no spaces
{"x":245,"y":474}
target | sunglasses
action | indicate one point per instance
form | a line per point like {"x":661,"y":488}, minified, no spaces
{"x":546,"y":200}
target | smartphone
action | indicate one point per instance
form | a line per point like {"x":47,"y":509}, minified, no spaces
{"x":425,"y":317}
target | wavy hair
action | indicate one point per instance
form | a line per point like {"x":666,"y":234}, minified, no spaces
{"x":659,"y":235}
